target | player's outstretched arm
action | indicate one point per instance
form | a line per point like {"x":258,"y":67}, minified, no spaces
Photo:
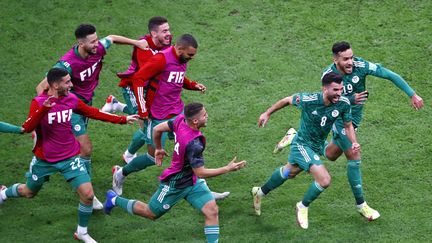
{"x":94,"y":113}
{"x":118,"y":39}
{"x":203,"y":172}
{"x":265,"y":116}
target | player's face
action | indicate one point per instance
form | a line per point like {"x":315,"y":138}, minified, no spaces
{"x":201,"y":118}
{"x":333,"y":92}
{"x":162,"y":37}
{"x":344,"y":61}
{"x":64,"y":86}
{"x":187,"y":54}
{"x":90,"y":43}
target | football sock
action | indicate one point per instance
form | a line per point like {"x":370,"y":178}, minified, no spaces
{"x":11,"y":192}
{"x":137,"y":141}
{"x":355,"y":180}
{"x":87,"y":164}
{"x":212,"y":233}
{"x":81,"y":230}
{"x":312,"y":193}
{"x":84,"y":213}
{"x":139,"y":163}
{"x":279,"y":176}
{"x":125,"y":204}
{"x":6,"y":127}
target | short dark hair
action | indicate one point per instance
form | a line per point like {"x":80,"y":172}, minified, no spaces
{"x":340,"y":47}
{"x":155,"y":22}
{"x":83,"y":30}
{"x":187,"y":40}
{"x":192,"y":109}
{"x":331,"y":77}
{"x":55,"y":75}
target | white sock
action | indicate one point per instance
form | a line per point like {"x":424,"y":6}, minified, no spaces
{"x":127,"y":154}
{"x":260,"y":193}
{"x":361,"y":205}
{"x":81,"y":230}
{"x":301,"y":205}
{"x":119,"y":106}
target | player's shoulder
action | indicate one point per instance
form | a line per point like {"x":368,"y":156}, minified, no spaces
{"x":309,"y":97}
{"x":344,"y":100}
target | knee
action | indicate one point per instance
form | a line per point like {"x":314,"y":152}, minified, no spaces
{"x":87,"y":196}
{"x":24,"y":191}
{"x":212,"y":211}
{"x":325,"y":181}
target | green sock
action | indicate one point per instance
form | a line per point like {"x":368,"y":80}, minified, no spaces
{"x":276,"y":179}
{"x":87,"y":164}
{"x":355,"y":180}
{"x":139,"y":163}
{"x":84,"y":213}
{"x":125,"y":204}
{"x":12,"y":192}
{"x":312,"y":193}
{"x":137,"y":141}
{"x":212,"y":233}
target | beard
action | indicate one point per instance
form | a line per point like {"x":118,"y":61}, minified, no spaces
{"x":184,"y":59}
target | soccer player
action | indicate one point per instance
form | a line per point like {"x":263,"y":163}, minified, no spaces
{"x":56,"y":148}
{"x":319,"y":111}
{"x":9,"y":128}
{"x":179,"y":181}
{"x":169,"y":68}
{"x":84,"y":64}
{"x":354,"y":71}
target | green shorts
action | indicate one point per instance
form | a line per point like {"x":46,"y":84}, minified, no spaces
{"x":79,"y":124}
{"x":149,"y":125}
{"x":303,"y":156}
{"x":131,"y":103}
{"x":165,"y":197}
{"x":72,"y":169}
{"x":339,"y":136}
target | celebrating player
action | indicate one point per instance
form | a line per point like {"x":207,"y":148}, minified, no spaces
{"x":83,"y":62}
{"x":56,"y":148}
{"x":179,"y":181}
{"x":354,"y":71}
{"x":319,"y":111}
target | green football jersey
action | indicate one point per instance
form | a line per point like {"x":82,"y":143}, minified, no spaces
{"x":356,"y":83}
{"x":317,"y":119}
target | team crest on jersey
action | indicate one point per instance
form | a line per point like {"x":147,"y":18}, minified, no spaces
{"x":77,"y":128}
{"x":316,"y":157}
{"x":355,"y":79}
{"x":166,"y":206}
{"x":335,"y":113}
{"x":35,"y":177}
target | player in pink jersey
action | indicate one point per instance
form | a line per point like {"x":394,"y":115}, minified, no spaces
{"x":84,"y":63}
{"x":179,"y":181}
{"x":56,"y":148}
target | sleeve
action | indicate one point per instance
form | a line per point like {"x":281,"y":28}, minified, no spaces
{"x":106,"y":43}
{"x":36,"y":113}
{"x":9,"y":128}
{"x":151,"y":68}
{"x":194,"y":151}
{"x":94,"y":113}
{"x":189,"y":84}
{"x":382,"y":72}
{"x":64,"y":65}
{"x":297,"y":100}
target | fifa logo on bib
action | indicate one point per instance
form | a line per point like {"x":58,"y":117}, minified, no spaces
{"x":60,"y":116}
{"x":176,"y":77}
